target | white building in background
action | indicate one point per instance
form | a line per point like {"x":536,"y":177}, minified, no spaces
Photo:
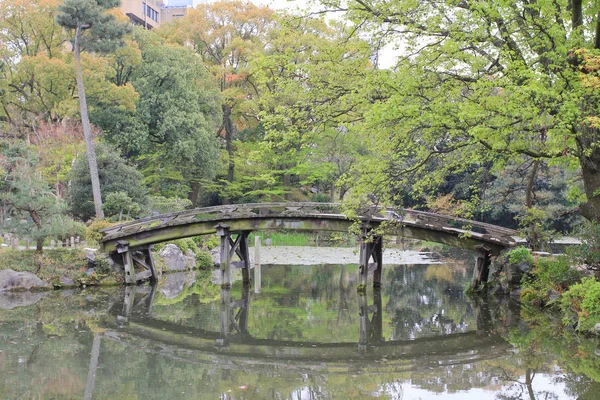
{"x":151,"y":13}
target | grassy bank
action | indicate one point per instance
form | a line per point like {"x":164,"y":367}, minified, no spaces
{"x":54,"y":265}
{"x":552,"y":283}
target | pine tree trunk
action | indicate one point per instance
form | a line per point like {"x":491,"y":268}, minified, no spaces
{"x":195,"y":193}
{"x":228,"y":125}
{"x":87,"y":131}
{"x":39,"y":245}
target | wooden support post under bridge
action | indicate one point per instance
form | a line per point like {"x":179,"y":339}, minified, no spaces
{"x":230,"y":248}
{"x":370,"y":329}
{"x":232,"y":322}
{"x":142,"y":257}
{"x":482,"y":268}
{"x":370,"y":248}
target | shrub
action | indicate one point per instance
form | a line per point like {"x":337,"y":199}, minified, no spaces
{"x":207,"y":242}
{"x":588,"y":252}
{"x":92,"y":232}
{"x":534,"y":225}
{"x":164,"y":205}
{"x":321,"y":198}
{"x":548,"y":275}
{"x":581,"y":304}
{"x":520,"y":255}
{"x":184,"y":244}
{"x":204,"y":260}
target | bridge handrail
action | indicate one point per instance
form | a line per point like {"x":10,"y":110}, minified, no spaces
{"x":215,"y":209}
{"x":311,"y":209}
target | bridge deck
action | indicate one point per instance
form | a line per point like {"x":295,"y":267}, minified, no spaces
{"x":308,"y":216}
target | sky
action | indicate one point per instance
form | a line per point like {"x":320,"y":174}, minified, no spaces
{"x":275,"y":4}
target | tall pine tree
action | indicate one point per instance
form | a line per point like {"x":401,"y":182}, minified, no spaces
{"x":96,"y":30}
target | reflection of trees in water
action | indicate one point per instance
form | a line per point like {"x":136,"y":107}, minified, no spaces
{"x":53,"y":340}
{"x":582,"y":387}
{"x":421,"y":304}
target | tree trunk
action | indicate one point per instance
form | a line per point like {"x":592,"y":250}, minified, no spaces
{"x":195,"y":193}
{"x":287,"y":182}
{"x":39,"y":243}
{"x":87,"y":131}
{"x":529,"y":374}
{"x":228,"y":125}
{"x":589,"y":159}
{"x":531,"y":183}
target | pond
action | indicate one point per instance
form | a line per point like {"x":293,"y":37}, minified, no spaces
{"x":306,"y":334}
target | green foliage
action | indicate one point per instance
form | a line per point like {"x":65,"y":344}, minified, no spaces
{"x":184,"y":244}
{"x":115,"y":176}
{"x":34,"y":210}
{"x":63,"y":227}
{"x":284,"y":238}
{"x":520,"y":255}
{"x":92,"y":234}
{"x":534,"y":226}
{"x":321,"y":198}
{"x":588,"y":252}
{"x":207,"y":242}
{"x":171,"y":131}
{"x":52,"y":263}
{"x":548,"y":275}
{"x":103,"y":33}
{"x":204,"y":260}
{"x":157,"y":205}
{"x":504,"y":85}
{"x":118,"y":205}
{"x":581,"y":304}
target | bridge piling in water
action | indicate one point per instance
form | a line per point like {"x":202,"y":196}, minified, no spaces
{"x":370,"y":248}
{"x":228,"y":249}
{"x":482,"y":268}
{"x":141,"y":256}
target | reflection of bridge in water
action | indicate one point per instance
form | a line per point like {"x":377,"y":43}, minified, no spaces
{"x":131,"y":323}
{"x":233,"y":223}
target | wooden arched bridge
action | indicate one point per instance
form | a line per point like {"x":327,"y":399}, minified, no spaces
{"x":132,"y":240}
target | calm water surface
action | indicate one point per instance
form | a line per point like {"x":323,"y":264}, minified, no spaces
{"x":308,"y":334}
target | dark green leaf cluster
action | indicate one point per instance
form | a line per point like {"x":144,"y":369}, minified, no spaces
{"x":103,"y":33}
{"x":115,"y":176}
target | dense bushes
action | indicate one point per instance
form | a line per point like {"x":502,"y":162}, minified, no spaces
{"x":553,"y":282}
{"x":581,"y":305}
{"x":92,"y":232}
{"x":547,"y":280}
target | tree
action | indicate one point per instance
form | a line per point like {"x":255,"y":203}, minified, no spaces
{"x":315,"y":86}
{"x":226,"y":34}
{"x":171,"y":132}
{"x":98,"y":31}
{"x":115,"y":176}
{"x":119,"y":203}
{"x":33,"y":209}
{"x":484,"y":81}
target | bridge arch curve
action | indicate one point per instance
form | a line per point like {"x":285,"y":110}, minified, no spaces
{"x":137,"y":236}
